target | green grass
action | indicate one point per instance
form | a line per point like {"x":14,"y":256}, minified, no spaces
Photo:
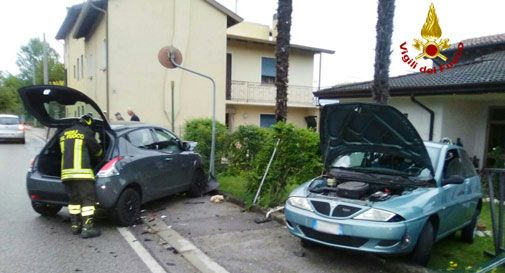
{"x":452,"y":249}
{"x":235,"y":186}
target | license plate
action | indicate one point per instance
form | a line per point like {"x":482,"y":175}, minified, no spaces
{"x":325,"y":227}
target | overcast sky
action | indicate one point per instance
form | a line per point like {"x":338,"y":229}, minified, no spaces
{"x":348,"y":27}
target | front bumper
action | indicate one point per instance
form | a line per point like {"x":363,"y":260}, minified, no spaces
{"x":361,"y":235}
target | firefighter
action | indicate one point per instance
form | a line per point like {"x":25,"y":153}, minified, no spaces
{"x":80,"y":154}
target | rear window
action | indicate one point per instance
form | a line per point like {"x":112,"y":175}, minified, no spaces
{"x":9,"y":120}
{"x":59,"y":111}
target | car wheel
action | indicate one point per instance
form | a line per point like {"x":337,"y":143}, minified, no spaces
{"x":307,"y":244}
{"x":421,"y":253}
{"x":198,"y":183}
{"x":127,"y":209}
{"x":46,"y":209}
{"x":22,"y":141}
{"x":468,"y":232}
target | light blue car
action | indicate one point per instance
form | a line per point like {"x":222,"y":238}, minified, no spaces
{"x":385,"y":190}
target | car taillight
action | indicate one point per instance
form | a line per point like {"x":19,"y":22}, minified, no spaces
{"x":21,"y":127}
{"x":109,"y":169}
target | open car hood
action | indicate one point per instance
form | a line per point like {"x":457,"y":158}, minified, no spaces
{"x":59,"y":106}
{"x":362,"y":127}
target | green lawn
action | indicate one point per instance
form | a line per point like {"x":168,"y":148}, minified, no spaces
{"x":451,"y":250}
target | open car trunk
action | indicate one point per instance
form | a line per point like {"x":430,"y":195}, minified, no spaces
{"x":49,"y":160}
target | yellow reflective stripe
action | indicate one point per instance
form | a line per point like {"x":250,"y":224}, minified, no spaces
{"x":77,"y":153}
{"x":77,"y":176}
{"x":88,"y":210}
{"x":77,"y":171}
{"x":62,"y":148}
{"x":74,"y":209}
{"x":99,"y":153}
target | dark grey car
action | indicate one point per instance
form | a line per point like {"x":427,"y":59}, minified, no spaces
{"x":142,"y":162}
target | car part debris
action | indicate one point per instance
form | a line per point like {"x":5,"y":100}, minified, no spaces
{"x":267,"y":216}
{"x":217,"y":198}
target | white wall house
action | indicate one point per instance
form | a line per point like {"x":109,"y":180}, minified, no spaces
{"x":467,"y":101}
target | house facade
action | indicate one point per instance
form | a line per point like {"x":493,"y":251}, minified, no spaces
{"x":250,"y":75}
{"x":466,"y":102}
{"x":111,"y":50}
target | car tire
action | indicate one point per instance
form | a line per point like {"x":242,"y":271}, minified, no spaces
{"x":468,"y":232}
{"x":22,"y":141}
{"x":127,"y":209}
{"x":306,"y":243}
{"x":198,"y":183}
{"x":46,"y":209}
{"x":421,"y":253}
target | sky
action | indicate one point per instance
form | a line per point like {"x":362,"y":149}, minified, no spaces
{"x":347,"y":27}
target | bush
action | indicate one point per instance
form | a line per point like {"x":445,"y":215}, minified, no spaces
{"x":200,"y":130}
{"x":244,"y":145}
{"x":296,"y":161}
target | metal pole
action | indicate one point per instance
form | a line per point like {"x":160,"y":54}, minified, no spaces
{"x":491,"y":206}
{"x":213,"y":145}
{"x":320,"y":60}
{"x":46,"y":76}
{"x":500,"y":211}
{"x":34,"y":64}
{"x":173,"y":111}
{"x":266,"y":172}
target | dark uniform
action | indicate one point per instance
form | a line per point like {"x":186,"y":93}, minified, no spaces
{"x":80,"y":153}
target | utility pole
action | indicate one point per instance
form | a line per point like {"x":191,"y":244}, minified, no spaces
{"x":34,"y":64}
{"x":46,"y":76}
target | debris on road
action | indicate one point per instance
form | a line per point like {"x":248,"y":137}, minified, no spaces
{"x":163,"y":216}
{"x":170,"y":264}
{"x":300,"y":253}
{"x":217,"y":198}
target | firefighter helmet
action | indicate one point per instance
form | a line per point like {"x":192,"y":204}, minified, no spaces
{"x":86,"y":119}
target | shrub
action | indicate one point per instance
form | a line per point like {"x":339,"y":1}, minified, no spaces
{"x":244,"y":145}
{"x":200,"y":130}
{"x":296,"y":161}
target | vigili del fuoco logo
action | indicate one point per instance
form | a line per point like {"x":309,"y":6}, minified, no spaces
{"x":431,"y":46}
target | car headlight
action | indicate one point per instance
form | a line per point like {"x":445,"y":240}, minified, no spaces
{"x":376,"y":215}
{"x":299,"y":202}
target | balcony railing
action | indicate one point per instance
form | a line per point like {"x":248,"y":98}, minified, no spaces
{"x":253,"y":92}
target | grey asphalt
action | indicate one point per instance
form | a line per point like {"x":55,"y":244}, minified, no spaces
{"x":230,"y":236}
{"x":32,"y":243}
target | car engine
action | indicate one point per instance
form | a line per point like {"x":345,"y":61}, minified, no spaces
{"x":342,"y":188}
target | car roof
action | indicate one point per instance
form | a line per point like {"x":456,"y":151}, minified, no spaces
{"x":122,"y":127}
{"x":8,"y":116}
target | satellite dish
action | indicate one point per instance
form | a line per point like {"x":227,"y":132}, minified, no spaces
{"x":168,"y":52}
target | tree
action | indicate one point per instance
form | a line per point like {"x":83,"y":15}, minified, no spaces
{"x":284,"y":10}
{"x":384,"y":28}
{"x":9,"y":98}
{"x":32,"y":55}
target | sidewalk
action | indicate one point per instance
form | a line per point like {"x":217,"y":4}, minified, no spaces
{"x":231,"y":238}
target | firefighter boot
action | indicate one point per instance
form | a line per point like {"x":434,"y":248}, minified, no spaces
{"x":88,"y":229}
{"x":76,"y":225}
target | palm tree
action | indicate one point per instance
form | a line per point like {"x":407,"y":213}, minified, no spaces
{"x":380,"y":88}
{"x":284,"y":11}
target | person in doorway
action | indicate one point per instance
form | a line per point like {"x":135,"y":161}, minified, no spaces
{"x":118,"y":116}
{"x":80,"y":152}
{"x":133,"y":116}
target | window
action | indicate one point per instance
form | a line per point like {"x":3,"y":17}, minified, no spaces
{"x":142,"y":139}
{"x":267,"y":70}
{"x":468,"y":168}
{"x":167,"y":142}
{"x":267,"y":120}
{"x":82,"y":67}
{"x":453,"y":164}
{"x":78,"y":69}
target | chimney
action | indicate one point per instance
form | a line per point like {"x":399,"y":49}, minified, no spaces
{"x":273,"y":31}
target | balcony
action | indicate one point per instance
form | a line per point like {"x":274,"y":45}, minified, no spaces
{"x":253,"y":93}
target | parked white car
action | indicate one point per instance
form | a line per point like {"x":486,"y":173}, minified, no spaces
{"x":11,"y":128}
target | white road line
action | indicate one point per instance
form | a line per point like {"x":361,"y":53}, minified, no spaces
{"x":144,"y":255}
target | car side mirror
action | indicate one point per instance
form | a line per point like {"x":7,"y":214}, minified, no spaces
{"x":453,"y":179}
{"x":188,"y":145}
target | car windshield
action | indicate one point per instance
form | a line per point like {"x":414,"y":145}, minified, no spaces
{"x":434,"y":154}
{"x":380,"y":163}
{"x":9,"y":120}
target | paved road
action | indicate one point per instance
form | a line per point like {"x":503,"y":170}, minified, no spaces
{"x":32,"y":243}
